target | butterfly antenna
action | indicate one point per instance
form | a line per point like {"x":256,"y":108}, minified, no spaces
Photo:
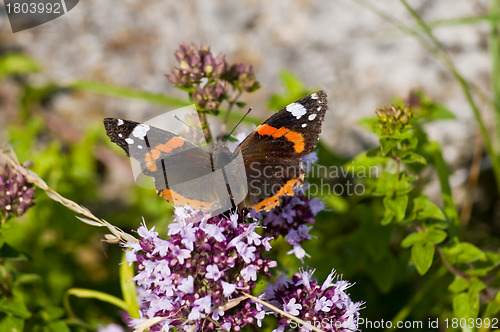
{"x":243,"y":118}
{"x":194,"y":129}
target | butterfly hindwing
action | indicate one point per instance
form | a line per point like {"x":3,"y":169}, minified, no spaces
{"x":273,"y":152}
{"x":174,"y":163}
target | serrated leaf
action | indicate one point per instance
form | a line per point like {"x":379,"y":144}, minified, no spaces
{"x":466,"y":305}
{"x":422,"y":256}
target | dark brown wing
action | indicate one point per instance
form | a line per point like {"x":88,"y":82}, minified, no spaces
{"x":182,"y":171}
{"x":273,"y":153}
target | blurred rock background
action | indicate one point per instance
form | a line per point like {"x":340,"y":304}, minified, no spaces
{"x":359,"y":58}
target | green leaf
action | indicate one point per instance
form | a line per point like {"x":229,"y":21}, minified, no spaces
{"x":59,"y":326}
{"x":294,"y":89}
{"x":412,"y":157}
{"x":397,"y":206}
{"x":54,"y":312}
{"x":458,"y":285}
{"x":17,"y":64}
{"x":440,"y":112}
{"x":11,"y":324}
{"x":493,"y":307}
{"x":403,"y":186}
{"x":384,"y":272}
{"x":436,"y":236}
{"x":386,"y":184}
{"x":337,"y":203}
{"x":466,"y":305}
{"x":424,"y":208}
{"x":129,"y":290}
{"x":93,"y":294}
{"x":368,"y":122}
{"x":414,"y":238}
{"x":11,"y":253}
{"x":466,"y":253}
{"x":422,"y":255}
{"x":14,"y":306}
{"x":387,"y":144}
{"x":476,"y":285}
{"x":125,"y":92}
{"x":388,"y":217}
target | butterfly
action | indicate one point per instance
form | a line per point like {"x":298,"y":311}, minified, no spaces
{"x":264,"y":167}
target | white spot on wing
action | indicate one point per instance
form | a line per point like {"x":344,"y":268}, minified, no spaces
{"x":140,"y":131}
{"x":304,"y":125}
{"x":120,"y":122}
{"x":129,"y":140}
{"x":318,"y":109}
{"x":312,"y":116}
{"x":314,"y":96}
{"x":120,"y":135}
{"x":139,"y":147}
{"x":296,"y":109}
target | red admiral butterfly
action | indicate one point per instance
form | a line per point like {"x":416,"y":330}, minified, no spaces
{"x":265,"y":166}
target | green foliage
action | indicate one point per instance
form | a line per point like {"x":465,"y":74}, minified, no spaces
{"x":410,"y":257}
{"x":395,"y":237}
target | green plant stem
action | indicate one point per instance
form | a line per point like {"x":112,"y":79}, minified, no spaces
{"x":465,"y":89}
{"x":204,"y":126}
{"x":443,"y":172}
{"x":494,"y":46}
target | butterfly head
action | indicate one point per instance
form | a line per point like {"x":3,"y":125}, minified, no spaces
{"x":221,"y":155}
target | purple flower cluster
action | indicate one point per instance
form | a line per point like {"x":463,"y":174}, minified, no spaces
{"x":291,"y":219}
{"x":16,"y":194}
{"x":243,"y":78}
{"x":327,"y":307}
{"x":206,"y":77}
{"x":194,"y":64}
{"x":190,"y":278}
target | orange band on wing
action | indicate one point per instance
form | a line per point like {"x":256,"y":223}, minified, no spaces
{"x":154,"y":154}
{"x":285,"y":190}
{"x":292,"y":136}
{"x":174,"y":197}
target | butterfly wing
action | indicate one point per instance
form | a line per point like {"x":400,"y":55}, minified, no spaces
{"x":179,"y":168}
{"x":272,"y":154}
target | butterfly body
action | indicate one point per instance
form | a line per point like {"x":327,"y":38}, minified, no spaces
{"x":266,"y":165}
